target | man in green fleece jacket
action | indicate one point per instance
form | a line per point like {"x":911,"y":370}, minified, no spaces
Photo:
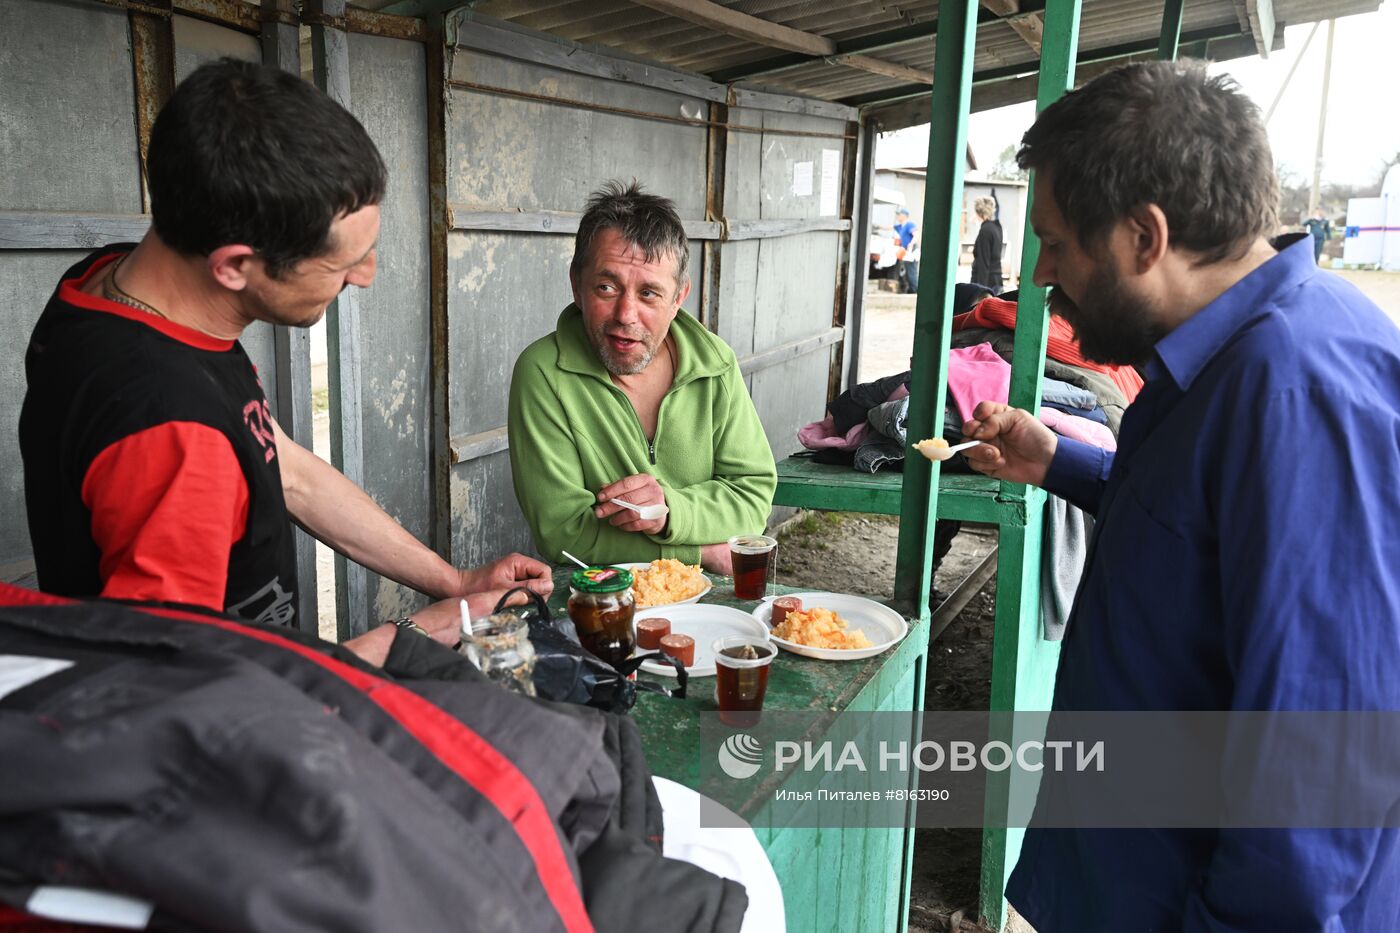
{"x":629,"y":399}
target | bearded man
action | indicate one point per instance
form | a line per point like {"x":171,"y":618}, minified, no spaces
{"x":630,"y":399}
{"x":1246,"y":554}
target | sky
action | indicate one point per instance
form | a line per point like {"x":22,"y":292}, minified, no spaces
{"x":1363,"y":115}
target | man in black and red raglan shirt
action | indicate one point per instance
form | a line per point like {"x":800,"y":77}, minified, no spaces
{"x":153,"y":467}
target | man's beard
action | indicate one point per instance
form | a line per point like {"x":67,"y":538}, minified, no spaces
{"x":628,"y":366}
{"x":1111,"y":325}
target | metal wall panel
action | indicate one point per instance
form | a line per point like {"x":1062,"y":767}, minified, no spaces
{"x":198,"y":42}
{"x":67,"y":123}
{"x":506,"y":153}
{"x":388,"y":94}
{"x":67,"y":143}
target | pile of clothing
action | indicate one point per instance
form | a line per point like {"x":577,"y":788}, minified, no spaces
{"x":867,"y":426}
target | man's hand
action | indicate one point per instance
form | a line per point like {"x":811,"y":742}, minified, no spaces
{"x":640,"y":489}
{"x":500,"y":575}
{"x":717,"y":558}
{"x":1017,"y":448}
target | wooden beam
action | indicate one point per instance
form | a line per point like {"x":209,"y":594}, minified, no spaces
{"x":1261,"y":24}
{"x":743,"y":26}
{"x":1030,"y":27}
{"x":68,"y":229}
{"x":881,"y":67}
{"x":1002,"y":7}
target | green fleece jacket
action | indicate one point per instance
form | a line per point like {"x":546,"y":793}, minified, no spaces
{"x":573,"y":432}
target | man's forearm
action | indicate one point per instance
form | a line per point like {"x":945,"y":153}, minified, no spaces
{"x":337,"y":512}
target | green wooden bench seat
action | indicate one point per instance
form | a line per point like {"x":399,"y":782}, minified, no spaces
{"x":961,"y":496}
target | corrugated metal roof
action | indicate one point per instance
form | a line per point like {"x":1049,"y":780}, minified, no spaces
{"x":1105,"y":25}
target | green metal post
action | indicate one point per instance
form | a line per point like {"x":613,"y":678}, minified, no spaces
{"x":947,"y":147}
{"x":1023,"y":664}
{"x":1171,"y":30}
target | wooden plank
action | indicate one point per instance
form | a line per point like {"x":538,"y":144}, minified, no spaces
{"x":471,"y":446}
{"x":68,"y":229}
{"x":790,"y":103}
{"x":742,"y":26}
{"x":1029,"y":27}
{"x":790,"y":351}
{"x":879,"y":66}
{"x":495,"y":39}
{"x":942,"y":213}
{"x":767,"y":229}
{"x":1003,"y":7}
{"x":564,"y":223}
{"x":803,"y":483}
{"x":330,"y":58}
{"x":1261,"y":24}
{"x":292,"y":345}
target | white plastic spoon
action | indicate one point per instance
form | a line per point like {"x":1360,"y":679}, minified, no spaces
{"x":647,"y":513}
{"x":574,"y":559}
{"x":934,"y":452}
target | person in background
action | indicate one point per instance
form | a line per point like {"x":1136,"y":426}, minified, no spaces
{"x":986,"y":250}
{"x":153,"y":468}
{"x":632,"y":398}
{"x":1321,"y":230}
{"x":908,"y":233}
{"x":1246,"y":549}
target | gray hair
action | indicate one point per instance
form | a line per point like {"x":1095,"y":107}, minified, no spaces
{"x":985,"y":207}
{"x":647,"y":221}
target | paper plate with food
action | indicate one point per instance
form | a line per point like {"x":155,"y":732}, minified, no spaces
{"x":667,"y":582}
{"x":689,"y":634}
{"x":831,"y":626}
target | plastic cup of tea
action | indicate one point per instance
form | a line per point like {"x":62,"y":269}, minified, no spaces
{"x":741,"y":677}
{"x":753,"y":557}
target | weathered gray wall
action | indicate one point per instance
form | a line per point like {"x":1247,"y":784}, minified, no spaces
{"x":67,"y":143}
{"x":388,"y":94}
{"x":781,"y":289}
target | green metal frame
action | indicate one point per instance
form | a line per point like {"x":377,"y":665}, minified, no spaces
{"x":1171,"y":30}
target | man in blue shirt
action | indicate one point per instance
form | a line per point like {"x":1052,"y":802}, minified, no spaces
{"x":908,"y":231}
{"x":1247,"y":549}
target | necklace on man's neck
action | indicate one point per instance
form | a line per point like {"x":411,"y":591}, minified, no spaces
{"x":114,"y":292}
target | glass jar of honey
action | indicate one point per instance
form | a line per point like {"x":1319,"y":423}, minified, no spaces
{"x":601,"y":607}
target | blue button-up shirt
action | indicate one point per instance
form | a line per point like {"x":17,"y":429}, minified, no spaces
{"x":1246,"y":557}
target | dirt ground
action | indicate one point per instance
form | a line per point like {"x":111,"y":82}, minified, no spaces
{"x":836,"y":551}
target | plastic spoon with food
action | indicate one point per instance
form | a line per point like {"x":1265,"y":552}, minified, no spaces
{"x":936,"y":448}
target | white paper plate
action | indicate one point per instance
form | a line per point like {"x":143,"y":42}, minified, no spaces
{"x":705,"y":624}
{"x":684,"y":602}
{"x":881,"y":624}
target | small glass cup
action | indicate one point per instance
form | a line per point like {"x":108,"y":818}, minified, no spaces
{"x":753,"y":557}
{"x":741,"y":681}
{"x":500,"y":647}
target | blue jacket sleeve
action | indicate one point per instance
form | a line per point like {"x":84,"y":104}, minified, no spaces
{"x":1078,"y":473}
{"x":1309,"y":528}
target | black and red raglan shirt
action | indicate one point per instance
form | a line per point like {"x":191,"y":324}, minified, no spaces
{"x":150,"y":463}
